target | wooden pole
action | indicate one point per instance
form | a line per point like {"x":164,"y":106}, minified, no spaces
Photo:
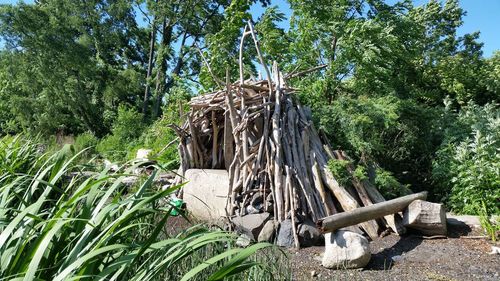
{"x":367,"y":213}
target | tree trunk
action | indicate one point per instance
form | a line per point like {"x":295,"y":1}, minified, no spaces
{"x":160,"y":75}
{"x":147,"y":92}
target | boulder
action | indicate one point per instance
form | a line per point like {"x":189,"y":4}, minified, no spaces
{"x":205,"y":193}
{"x":267,"y":232}
{"x":309,"y":234}
{"x":345,"y":249}
{"x":426,"y":217}
{"x":251,"y":225}
{"x":285,"y":234}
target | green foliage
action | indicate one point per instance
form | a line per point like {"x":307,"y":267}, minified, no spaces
{"x":360,"y":173}
{"x":339,"y":171}
{"x":86,"y":141}
{"x":124,"y":136}
{"x":492,"y":227}
{"x":389,"y":185}
{"x":160,"y":135}
{"x":18,"y":155}
{"x":52,"y":227}
{"x":467,"y":166}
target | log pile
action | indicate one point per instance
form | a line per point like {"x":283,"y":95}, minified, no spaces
{"x":266,"y":140}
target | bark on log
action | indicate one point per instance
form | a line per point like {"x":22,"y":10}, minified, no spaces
{"x":371,"y":212}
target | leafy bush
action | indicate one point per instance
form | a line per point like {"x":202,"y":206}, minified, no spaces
{"x":57,"y":228}
{"x":467,"y":164}
{"x":87,"y":141}
{"x":160,"y":137}
{"x":339,"y":171}
{"x":388,"y":185}
{"x":124,"y":136}
{"x":385,"y":182}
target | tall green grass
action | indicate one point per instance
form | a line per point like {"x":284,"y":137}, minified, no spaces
{"x":54,"y":226}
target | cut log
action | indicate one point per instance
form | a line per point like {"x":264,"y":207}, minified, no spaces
{"x":426,"y":217}
{"x":367,"y":213}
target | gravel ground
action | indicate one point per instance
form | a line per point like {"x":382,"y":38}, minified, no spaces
{"x":410,"y":258}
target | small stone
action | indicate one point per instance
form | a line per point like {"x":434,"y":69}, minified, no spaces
{"x":314,"y":273}
{"x":345,"y":249}
{"x":495,"y":250}
{"x":397,"y":258}
{"x":252,"y":210}
{"x":309,"y":234}
{"x":285,"y":234}
{"x":243,"y":241}
{"x":267,"y":232}
{"x":111,"y":166}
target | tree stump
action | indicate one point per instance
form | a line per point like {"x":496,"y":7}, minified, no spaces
{"x":426,"y":217}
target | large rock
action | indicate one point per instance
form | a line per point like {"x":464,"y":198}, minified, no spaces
{"x":267,"y":232}
{"x":345,"y":249}
{"x":251,"y":225}
{"x":309,"y":234}
{"x":426,"y":217}
{"x":285,"y":234}
{"x":205,"y":193}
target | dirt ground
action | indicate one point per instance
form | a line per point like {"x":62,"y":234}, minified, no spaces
{"x":461,"y":256}
{"x":411,"y":258}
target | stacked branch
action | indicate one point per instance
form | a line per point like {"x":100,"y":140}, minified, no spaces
{"x":266,"y":140}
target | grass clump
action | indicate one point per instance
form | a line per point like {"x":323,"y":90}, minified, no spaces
{"x":57,"y":223}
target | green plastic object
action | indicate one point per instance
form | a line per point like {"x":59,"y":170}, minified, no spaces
{"x":177,"y":203}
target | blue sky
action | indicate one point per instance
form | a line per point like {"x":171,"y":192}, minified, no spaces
{"x":482,"y":15}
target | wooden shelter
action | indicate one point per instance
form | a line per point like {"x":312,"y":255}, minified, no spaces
{"x":259,"y":132}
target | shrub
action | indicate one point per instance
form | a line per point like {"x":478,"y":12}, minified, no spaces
{"x":160,"y":135}
{"x":467,"y":164}
{"x":124,"y":136}
{"x":87,"y":141}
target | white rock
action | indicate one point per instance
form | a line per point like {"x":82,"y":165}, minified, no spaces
{"x":495,"y":250}
{"x":345,"y":249}
{"x":243,"y":241}
{"x":111,"y":166}
{"x":143,"y":154}
{"x":205,"y":193}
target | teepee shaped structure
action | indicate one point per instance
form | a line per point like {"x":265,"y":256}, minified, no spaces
{"x":266,"y":140}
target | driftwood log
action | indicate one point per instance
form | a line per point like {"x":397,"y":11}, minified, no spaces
{"x":266,"y":140}
{"x":374,"y":211}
